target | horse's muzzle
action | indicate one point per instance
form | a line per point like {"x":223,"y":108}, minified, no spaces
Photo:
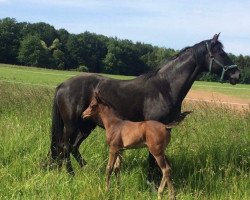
{"x":234,"y":77}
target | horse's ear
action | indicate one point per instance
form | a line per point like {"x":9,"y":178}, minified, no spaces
{"x":215,"y":38}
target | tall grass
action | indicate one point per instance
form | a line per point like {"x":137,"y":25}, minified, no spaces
{"x":209,"y":153}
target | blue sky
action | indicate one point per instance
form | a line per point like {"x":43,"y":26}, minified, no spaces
{"x":171,"y":24}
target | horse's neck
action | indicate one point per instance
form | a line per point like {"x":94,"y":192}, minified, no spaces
{"x":108,"y":116}
{"x":180,"y":75}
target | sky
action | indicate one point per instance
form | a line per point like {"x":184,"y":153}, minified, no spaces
{"x":165,"y":23}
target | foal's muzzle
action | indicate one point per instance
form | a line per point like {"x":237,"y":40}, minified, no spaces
{"x":85,"y":116}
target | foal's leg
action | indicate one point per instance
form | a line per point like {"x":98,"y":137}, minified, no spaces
{"x":117,"y":168}
{"x":165,"y":168}
{"x":112,"y":158}
{"x":153,"y":170}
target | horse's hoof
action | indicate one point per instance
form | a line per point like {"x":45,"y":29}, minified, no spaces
{"x":71,"y":173}
{"x":48,"y":165}
{"x":152,"y":186}
{"x":83,"y":164}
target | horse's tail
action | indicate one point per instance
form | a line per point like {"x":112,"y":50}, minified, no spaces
{"x":178,"y":120}
{"x":56,"y":129}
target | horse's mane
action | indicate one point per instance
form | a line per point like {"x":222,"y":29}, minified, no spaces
{"x":153,"y":72}
{"x":150,"y":73}
{"x":197,"y":49}
{"x":179,"y":53}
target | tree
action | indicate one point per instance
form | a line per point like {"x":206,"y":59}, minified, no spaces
{"x":63,"y":36}
{"x":9,"y":40}
{"x":44,"y":31}
{"x":59,"y":59}
{"x":33,"y":53}
{"x":87,"y":49}
{"x":111,"y":62}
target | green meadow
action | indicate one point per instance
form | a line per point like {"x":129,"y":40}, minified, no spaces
{"x":209,"y":151}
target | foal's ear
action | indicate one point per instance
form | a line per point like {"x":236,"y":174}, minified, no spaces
{"x":97,"y":96}
{"x":215,"y":38}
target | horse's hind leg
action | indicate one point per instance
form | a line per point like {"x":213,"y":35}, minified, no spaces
{"x":86,"y":128}
{"x":69,"y":130}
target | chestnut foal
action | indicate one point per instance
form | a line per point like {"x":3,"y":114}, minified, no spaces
{"x":123,"y":134}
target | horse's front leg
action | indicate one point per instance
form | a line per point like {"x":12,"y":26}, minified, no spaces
{"x":85,"y":127}
{"x":75,"y":143}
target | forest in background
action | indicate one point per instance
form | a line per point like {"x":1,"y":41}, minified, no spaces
{"x":41,"y":45}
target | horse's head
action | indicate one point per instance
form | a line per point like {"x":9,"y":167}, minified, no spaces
{"x":218,"y":61}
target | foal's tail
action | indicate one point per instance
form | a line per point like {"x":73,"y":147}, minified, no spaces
{"x":178,"y":120}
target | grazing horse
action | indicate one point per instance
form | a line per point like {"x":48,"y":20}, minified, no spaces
{"x":124,"y":134}
{"x":157,"y":95}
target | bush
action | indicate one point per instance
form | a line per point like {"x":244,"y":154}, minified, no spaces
{"x":83,"y":68}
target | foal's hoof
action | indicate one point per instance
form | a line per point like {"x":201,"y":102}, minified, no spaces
{"x":172,"y":197}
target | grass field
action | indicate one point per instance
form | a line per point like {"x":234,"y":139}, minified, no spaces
{"x":209,"y":150}
{"x":46,"y":77}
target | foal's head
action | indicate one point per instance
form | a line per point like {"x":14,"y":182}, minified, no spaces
{"x":95,"y":106}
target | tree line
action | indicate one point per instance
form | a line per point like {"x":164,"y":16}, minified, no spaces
{"x":41,"y":45}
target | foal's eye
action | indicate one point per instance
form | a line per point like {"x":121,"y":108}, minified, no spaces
{"x":93,"y":106}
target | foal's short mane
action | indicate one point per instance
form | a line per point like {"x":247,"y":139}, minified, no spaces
{"x":111,"y":106}
{"x":108,"y":104}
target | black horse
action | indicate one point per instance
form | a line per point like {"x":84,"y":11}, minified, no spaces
{"x":157,"y":95}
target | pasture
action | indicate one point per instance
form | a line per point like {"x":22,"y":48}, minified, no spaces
{"x":209,"y":150}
